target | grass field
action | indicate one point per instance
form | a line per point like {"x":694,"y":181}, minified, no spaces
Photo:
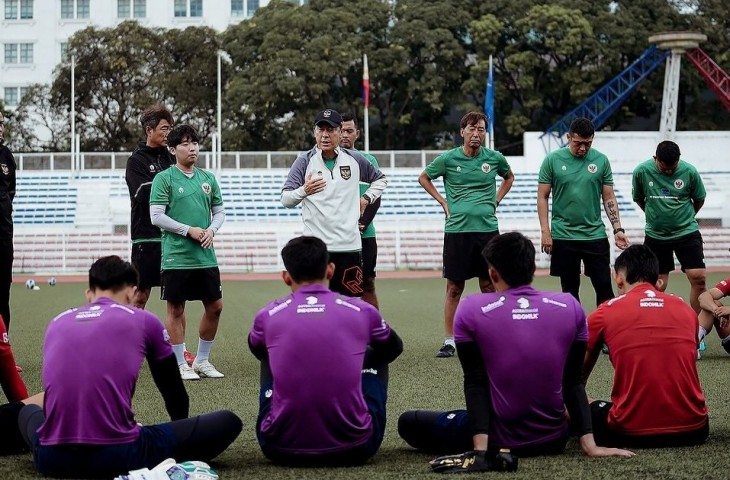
{"x":418,"y":380}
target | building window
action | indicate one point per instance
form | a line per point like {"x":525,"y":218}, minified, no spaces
{"x":13,"y":95}
{"x":64,"y":52}
{"x":75,"y":9}
{"x":18,"y":9}
{"x":131,"y":8}
{"x":237,"y":8}
{"x":188,"y":8}
{"x":18,"y":53}
{"x":253,"y":5}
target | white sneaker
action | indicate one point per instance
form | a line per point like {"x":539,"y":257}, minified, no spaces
{"x":206,"y":369}
{"x":187,"y":372}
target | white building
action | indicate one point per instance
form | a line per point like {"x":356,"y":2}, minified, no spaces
{"x":34,"y":33}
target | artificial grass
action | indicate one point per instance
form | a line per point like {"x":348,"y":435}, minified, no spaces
{"x":418,"y":380}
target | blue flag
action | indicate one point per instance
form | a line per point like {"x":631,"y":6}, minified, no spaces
{"x":489,"y":101}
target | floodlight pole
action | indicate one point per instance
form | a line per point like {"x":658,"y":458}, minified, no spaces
{"x":73,"y":113}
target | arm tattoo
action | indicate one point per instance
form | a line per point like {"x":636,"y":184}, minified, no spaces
{"x":612,"y":212}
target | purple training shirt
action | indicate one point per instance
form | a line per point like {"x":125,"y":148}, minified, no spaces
{"x":91,"y":361}
{"x":524,"y":336}
{"x":316,"y":341}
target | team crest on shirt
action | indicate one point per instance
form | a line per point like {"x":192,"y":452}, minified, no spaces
{"x":486,"y":167}
{"x":6,"y":170}
{"x":679,"y":184}
{"x":152,"y":168}
{"x":592,"y":168}
{"x":206,"y":188}
{"x":345,"y":173}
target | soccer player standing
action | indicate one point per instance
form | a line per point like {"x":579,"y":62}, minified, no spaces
{"x":186,"y":204}
{"x":150,"y":158}
{"x":579,"y":178}
{"x":326,"y":181}
{"x":469,"y":174}
{"x":548,"y":336}
{"x":7,"y":194}
{"x":320,"y":406}
{"x":656,"y":399}
{"x":670,"y":192}
{"x":349,"y":135}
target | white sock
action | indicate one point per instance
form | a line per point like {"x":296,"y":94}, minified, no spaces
{"x":702,"y":333}
{"x":204,"y":347}
{"x":450,"y":341}
{"x":179,"y":350}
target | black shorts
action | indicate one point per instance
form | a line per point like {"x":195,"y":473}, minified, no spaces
{"x":369,"y":257}
{"x":463,"y":255}
{"x":191,"y":284}
{"x":147,"y":259}
{"x":11,"y":441}
{"x":606,"y":437}
{"x":348,"y":278}
{"x":688,"y":248}
{"x":567,"y":255}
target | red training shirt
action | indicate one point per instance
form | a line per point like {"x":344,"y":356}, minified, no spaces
{"x":652,"y":337}
{"x":10,"y":380}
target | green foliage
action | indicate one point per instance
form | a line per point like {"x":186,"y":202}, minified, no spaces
{"x":428,"y":64}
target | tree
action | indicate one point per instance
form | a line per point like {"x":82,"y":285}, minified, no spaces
{"x":39,"y":123}
{"x":189,"y":84}
{"x":119,"y":72}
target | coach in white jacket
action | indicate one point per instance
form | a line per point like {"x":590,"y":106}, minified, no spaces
{"x":325,"y":180}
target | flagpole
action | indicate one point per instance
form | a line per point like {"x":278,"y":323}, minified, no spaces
{"x":73,"y":113}
{"x":366,"y":100}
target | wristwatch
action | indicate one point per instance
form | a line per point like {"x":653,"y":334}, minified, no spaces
{"x":617,"y":230}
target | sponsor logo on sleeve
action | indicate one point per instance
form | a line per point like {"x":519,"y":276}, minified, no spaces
{"x":491,"y":306}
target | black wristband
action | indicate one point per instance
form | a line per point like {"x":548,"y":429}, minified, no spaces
{"x":617,"y":230}
{"x":367,"y":199}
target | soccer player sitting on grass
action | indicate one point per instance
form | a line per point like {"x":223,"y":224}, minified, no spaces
{"x":324,"y":367}
{"x":12,"y":384}
{"x":516,"y":391}
{"x":86,"y":427}
{"x":715,"y":313}
{"x":656,"y":400}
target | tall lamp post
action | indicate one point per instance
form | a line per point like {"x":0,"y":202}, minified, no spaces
{"x":219,"y":122}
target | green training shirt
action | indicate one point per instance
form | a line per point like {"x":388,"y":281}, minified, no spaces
{"x":471,"y":189}
{"x":668,"y":198}
{"x":188,"y":201}
{"x":369,"y":232}
{"x":576,"y":185}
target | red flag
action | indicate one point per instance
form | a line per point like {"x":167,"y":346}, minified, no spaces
{"x":365,"y":82}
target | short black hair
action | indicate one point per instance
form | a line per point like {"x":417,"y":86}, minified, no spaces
{"x":582,"y":127}
{"x":638,"y":264}
{"x":667,"y":153}
{"x":512,"y":255}
{"x":112,"y":273}
{"x":182,"y":133}
{"x":153,"y":115}
{"x":346,"y":117}
{"x":305,"y":258}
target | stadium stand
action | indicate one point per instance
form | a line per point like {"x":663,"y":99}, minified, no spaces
{"x":65,"y":219}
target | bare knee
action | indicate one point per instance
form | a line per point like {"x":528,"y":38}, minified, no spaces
{"x":454,"y":289}
{"x":697,"y":278}
{"x":214,"y":308}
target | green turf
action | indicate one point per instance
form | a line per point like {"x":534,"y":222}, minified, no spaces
{"x":418,"y":380}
